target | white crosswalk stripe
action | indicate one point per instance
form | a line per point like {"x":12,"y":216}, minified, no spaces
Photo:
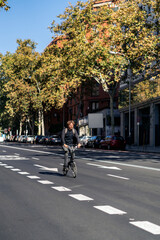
{"x":8,"y":166}
{"x":45,"y":182}
{"x":33,"y":177}
{"x":81,"y":197}
{"x":3,"y":164}
{"x":23,"y":173}
{"x":147,"y":226}
{"x":16,"y":169}
{"x":110,"y":210}
{"x":62,"y":189}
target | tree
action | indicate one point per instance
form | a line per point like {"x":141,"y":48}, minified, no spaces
{"x":18,"y":85}
{"x":134,"y":34}
{"x":3,"y":4}
{"x":141,"y":92}
{"x":87,"y":47}
{"x":94,"y":34}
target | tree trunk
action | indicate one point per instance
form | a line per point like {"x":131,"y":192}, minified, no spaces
{"x":42,"y":123}
{"x":39,"y":122}
{"x":31,"y":126}
{"x":112,"y":113}
{"x":20,"y":128}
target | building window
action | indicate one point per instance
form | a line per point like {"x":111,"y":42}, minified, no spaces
{"x":95,"y":90}
{"x":95,"y":106}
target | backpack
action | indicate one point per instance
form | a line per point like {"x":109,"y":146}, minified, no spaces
{"x":66,"y":129}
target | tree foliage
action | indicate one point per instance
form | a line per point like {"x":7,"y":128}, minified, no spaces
{"x":103,"y":43}
{"x":141,"y":92}
{"x":19,"y":86}
{"x":99,"y":43}
{"x":3,"y":4}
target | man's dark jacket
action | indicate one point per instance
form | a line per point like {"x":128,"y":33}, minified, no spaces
{"x":69,"y":137}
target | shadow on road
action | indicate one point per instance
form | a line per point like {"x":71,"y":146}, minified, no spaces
{"x":51,"y":173}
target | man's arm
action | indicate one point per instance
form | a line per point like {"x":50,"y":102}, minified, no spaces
{"x":63,"y":137}
{"x":77,"y":137}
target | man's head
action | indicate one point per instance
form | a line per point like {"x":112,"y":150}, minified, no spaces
{"x":70,"y":124}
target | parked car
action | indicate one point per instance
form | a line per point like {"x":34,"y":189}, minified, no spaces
{"x":22,"y":138}
{"x":113,"y":142}
{"x":44,"y":140}
{"x":30,"y":138}
{"x":94,"y":141}
{"x":84,"y":140}
{"x":54,"y":139}
{"x":37,"y":138}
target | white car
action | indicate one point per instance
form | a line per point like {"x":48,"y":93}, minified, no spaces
{"x":30,"y":138}
{"x":84,"y":140}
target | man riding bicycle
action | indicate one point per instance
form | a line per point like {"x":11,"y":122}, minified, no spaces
{"x":69,"y":138}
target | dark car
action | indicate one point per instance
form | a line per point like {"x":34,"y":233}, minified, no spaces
{"x":44,"y":140}
{"x":37,"y":138}
{"x":54,"y":139}
{"x":94,"y":141}
{"x":113,"y":142}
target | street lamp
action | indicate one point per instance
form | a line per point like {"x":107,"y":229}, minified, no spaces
{"x":129,"y":74}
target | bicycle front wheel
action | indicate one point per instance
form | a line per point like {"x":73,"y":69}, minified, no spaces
{"x":74,"y":169}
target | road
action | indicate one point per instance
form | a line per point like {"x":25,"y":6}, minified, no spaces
{"x":116,"y":195}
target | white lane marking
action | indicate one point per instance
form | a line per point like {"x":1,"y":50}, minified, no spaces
{"x":8,"y":166}
{"x":35,"y":158}
{"x":3,"y":164}
{"x":46,"y":168}
{"x":80,"y":197}
{"x":115,"y":176}
{"x":110,"y":156}
{"x":12,"y":157}
{"x":62,"y":189}
{"x":16,"y":169}
{"x":147,"y":226}
{"x":32,"y":150}
{"x":45,"y":182}
{"x":131,"y":165}
{"x":100,"y":166}
{"x":110,"y":210}
{"x":17,"y":154}
{"x":4,"y":151}
{"x":88,"y":159}
{"x":33,"y":177}
{"x":23,"y":173}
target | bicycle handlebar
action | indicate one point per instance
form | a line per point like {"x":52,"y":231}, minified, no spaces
{"x":72,"y":148}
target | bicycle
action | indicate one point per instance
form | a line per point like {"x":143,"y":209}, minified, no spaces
{"x":71,"y":164}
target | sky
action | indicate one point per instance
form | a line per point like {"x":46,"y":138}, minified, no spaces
{"x":29,"y":19}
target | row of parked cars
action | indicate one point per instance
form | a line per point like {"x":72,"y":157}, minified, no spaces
{"x":109,"y":142}
{"x":54,"y":139}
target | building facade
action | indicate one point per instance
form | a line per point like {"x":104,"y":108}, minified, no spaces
{"x":145,"y":123}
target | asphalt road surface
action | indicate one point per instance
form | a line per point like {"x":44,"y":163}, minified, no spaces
{"x":116,"y":195}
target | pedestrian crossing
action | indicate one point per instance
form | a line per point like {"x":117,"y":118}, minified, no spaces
{"x":147,"y":226}
{"x":110,"y":210}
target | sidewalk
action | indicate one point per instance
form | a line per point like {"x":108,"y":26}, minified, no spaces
{"x":144,"y":148}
